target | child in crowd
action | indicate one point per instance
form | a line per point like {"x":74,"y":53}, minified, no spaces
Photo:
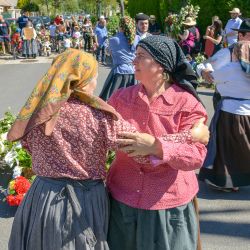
{"x":47,"y":46}
{"x":16,"y":41}
{"x":76,"y":37}
{"x":67,"y":42}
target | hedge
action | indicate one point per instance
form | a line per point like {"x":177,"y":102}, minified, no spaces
{"x":209,"y":8}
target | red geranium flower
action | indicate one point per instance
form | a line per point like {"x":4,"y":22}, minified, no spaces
{"x":11,"y":200}
{"x":19,"y":199}
{"x":22,"y":185}
{"x":17,"y":188}
{"x":14,"y":200}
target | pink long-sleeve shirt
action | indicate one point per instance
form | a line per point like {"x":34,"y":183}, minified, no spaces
{"x":173,"y":181}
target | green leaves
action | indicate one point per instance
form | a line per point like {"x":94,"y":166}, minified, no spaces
{"x":11,"y":153}
{"x":6,"y":122}
{"x":23,"y":158}
{"x":110,"y":158}
{"x":113,"y":25}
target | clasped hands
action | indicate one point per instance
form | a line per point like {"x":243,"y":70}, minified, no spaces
{"x":142,"y":144}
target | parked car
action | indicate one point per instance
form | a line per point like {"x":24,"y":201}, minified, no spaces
{"x":67,"y":17}
{"x":46,"y":21}
{"x":37,"y":21}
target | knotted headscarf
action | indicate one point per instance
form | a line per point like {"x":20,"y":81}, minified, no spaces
{"x":128,"y":26}
{"x":69,"y":73}
{"x":168,"y":53}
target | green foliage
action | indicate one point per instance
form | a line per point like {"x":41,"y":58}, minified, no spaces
{"x":111,"y":157}
{"x":93,"y":20}
{"x":31,"y":7}
{"x":200,"y":58}
{"x":22,"y":3}
{"x":23,"y":158}
{"x":71,"y":6}
{"x":6,"y":122}
{"x":219,"y":8}
{"x":146,"y":6}
{"x":113,"y":25}
{"x":13,"y":28}
{"x":208,"y":8}
{"x":11,"y":153}
{"x":177,"y":19}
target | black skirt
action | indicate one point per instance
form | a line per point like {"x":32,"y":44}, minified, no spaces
{"x":114,"y":82}
{"x":231,"y":166}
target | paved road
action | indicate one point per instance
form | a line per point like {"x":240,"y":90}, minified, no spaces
{"x":18,"y":80}
{"x":225,"y":217}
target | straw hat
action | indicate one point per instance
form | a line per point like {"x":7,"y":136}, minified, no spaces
{"x":235,"y":11}
{"x":189,"y":21}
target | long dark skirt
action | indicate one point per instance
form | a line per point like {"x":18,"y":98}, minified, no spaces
{"x":139,"y":229}
{"x":30,"y":47}
{"x":114,"y":82}
{"x":231,"y":167}
{"x":62,"y":214}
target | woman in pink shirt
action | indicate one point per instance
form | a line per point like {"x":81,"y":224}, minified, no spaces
{"x":152,"y":205}
{"x":68,"y":132}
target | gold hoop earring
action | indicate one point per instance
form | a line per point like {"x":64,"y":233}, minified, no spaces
{"x":165,"y":76}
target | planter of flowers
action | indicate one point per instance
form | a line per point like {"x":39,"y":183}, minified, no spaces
{"x":16,"y":174}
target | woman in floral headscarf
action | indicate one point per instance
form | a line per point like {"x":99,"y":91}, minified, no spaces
{"x":122,"y":49}
{"x":67,"y":131}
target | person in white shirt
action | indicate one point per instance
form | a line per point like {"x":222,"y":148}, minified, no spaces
{"x":233,"y":23}
{"x":226,"y":166}
{"x":76,"y":43}
{"x":142,"y":25}
{"x":67,"y":42}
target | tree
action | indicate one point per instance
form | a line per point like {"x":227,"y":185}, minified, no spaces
{"x":31,"y":7}
{"x":208,"y":8}
{"x":22,"y":3}
{"x":71,"y":5}
{"x":122,"y":7}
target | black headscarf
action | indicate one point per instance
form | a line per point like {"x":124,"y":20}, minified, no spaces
{"x":168,"y":53}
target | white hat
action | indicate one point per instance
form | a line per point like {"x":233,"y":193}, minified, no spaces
{"x":102,"y":17}
{"x":189,"y":21}
{"x":235,"y":11}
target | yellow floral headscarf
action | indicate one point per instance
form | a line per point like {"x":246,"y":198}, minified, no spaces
{"x":67,"y":76}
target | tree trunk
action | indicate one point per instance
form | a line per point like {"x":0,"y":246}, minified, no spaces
{"x":47,"y":6}
{"x":122,"y":7}
{"x":98,"y":9}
